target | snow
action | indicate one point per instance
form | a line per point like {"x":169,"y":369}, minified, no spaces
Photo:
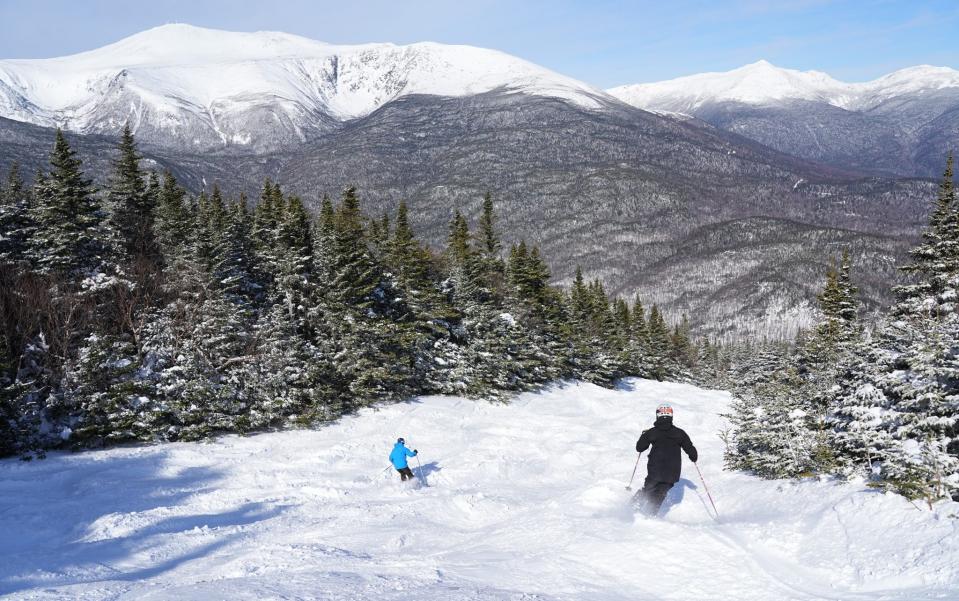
{"x":764,"y":83}
{"x":180,"y":68}
{"x":524,"y":501}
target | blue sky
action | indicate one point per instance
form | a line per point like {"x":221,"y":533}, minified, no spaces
{"x":603,"y":42}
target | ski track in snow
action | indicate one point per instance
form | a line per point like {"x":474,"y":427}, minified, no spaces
{"x":525,"y":501}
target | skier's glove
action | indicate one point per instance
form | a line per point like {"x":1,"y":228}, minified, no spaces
{"x":415,"y":452}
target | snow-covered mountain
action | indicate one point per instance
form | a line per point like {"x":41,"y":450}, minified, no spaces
{"x":763,"y":83}
{"x":200,"y":88}
{"x":902,"y":123}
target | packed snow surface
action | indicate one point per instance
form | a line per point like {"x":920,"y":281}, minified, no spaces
{"x":520,"y":501}
{"x":764,"y":83}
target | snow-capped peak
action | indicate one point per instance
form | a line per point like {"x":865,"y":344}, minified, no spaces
{"x":764,"y":83}
{"x":920,"y":78}
{"x":180,"y":43}
{"x":178,"y":78}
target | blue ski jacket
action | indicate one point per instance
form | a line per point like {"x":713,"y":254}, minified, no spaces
{"x":399,"y":455}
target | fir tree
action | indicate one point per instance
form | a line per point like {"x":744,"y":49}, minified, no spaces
{"x":490,"y":245}
{"x":458,"y":242}
{"x":173,"y":220}
{"x":68,"y":236}
{"x":15,"y":218}
{"x":355,"y":277}
{"x":234,"y":260}
{"x":935,"y":262}
{"x":658,"y":344}
{"x":131,"y":203}
{"x":109,"y":397}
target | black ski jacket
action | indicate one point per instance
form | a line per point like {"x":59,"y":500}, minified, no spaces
{"x":665,"y":462}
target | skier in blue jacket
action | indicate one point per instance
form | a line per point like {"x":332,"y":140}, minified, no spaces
{"x":398,"y":459}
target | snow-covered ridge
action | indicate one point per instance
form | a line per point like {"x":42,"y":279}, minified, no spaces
{"x":764,"y":83}
{"x":176,"y":78}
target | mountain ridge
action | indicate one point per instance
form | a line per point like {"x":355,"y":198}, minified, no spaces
{"x":901,"y":124}
{"x":755,"y":83}
{"x":199,"y":88}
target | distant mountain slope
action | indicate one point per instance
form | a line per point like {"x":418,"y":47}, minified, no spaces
{"x":630,"y":197}
{"x":903,"y":123}
{"x":195,"y":89}
{"x":689,"y":215}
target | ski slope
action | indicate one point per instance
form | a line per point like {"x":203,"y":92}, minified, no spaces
{"x":524,"y":502}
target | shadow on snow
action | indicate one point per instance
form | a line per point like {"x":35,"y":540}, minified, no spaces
{"x":67,"y":519}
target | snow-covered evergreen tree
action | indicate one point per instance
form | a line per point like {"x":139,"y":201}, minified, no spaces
{"x":107,"y":393}
{"x":69,"y":237}
{"x":131,"y":204}
{"x":15,"y":218}
{"x":895,"y":410}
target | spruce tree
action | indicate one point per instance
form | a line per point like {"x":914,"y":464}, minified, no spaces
{"x":935,"y":262}
{"x":658,"y":344}
{"x":893,"y":410}
{"x":68,"y":236}
{"x":110,"y":398}
{"x":173,"y":219}
{"x":234,"y":262}
{"x":131,"y":204}
{"x":458,"y":242}
{"x":15,"y":218}
{"x":265,"y":229}
{"x":355,"y":277}
{"x":490,"y":245}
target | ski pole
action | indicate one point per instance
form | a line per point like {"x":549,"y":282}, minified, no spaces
{"x":630,"y":485}
{"x":706,"y":488}
{"x":419,"y":468}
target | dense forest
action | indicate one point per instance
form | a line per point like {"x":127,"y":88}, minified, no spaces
{"x":141,"y":313}
{"x":879,"y":402}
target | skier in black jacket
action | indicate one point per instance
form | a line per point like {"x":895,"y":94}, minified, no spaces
{"x":665,"y":462}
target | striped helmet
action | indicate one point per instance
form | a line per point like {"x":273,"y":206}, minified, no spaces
{"x":664,"y":411}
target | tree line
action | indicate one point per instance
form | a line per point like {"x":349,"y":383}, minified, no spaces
{"x":142,"y":312}
{"x":881,"y":402}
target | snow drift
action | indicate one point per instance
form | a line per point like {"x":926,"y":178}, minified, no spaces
{"x":523,"y":501}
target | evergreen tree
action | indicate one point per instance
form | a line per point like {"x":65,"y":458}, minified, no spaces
{"x":637,"y":360}
{"x":324,"y":243}
{"x":15,"y":222}
{"x":265,"y":229}
{"x":458,"y":242}
{"x":935,"y":262}
{"x":658,"y":344}
{"x":131,"y":204}
{"x":355,"y":277}
{"x":893,"y":410}
{"x":490,"y":246}
{"x":108,"y":396}
{"x":68,"y":236}
{"x":234,"y":260}
{"x":173,"y":220}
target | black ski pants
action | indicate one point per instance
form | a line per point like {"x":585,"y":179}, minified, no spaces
{"x":653,"y":495}
{"x":405,"y":474}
